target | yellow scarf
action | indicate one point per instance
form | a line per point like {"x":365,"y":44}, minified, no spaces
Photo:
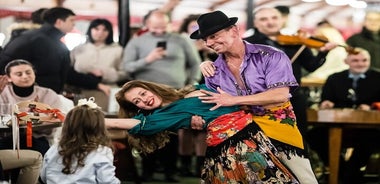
{"x":279,"y":123}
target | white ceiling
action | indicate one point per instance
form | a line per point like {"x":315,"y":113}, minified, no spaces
{"x":303,"y":14}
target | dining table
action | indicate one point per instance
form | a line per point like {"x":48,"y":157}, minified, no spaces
{"x":36,"y":126}
{"x":336,"y":120}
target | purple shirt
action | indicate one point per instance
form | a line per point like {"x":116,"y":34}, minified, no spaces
{"x":264,"y":67}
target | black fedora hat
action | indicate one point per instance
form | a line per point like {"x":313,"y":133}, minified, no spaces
{"x":210,"y":23}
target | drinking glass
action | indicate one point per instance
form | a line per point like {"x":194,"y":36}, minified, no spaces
{"x":5,"y":113}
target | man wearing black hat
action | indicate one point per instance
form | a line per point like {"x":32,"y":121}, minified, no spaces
{"x":256,"y":76}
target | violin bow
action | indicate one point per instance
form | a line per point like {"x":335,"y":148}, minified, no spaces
{"x":299,"y":51}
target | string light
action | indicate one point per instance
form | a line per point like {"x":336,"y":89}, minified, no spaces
{"x":338,"y":2}
{"x":353,"y":3}
{"x":311,"y":1}
{"x":358,"y":4}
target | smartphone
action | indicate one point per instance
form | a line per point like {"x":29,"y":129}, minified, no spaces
{"x":161,"y":44}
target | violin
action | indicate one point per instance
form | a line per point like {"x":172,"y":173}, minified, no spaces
{"x":312,"y":42}
{"x":315,"y":42}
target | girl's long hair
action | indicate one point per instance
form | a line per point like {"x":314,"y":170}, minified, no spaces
{"x":83,"y":131}
{"x":144,"y":143}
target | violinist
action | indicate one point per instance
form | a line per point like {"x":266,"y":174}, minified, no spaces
{"x":267,"y":25}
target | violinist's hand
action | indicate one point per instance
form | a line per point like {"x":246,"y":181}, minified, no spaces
{"x":197,"y":122}
{"x":327,"y":104}
{"x":207,"y":68}
{"x":328,"y":46}
{"x":220,"y":99}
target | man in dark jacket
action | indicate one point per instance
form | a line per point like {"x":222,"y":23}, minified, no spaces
{"x":44,"y":49}
{"x":369,"y":38}
{"x":36,"y":22}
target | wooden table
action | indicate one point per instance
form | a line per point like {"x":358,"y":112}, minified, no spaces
{"x":312,"y":82}
{"x":43,"y":125}
{"x":336,"y":120}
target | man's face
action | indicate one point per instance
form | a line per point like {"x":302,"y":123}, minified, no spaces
{"x":372,"y":21}
{"x":222,"y":40}
{"x":268,"y":21}
{"x":66,"y":25}
{"x":358,"y":63}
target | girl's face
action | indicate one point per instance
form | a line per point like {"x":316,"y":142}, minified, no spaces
{"x":99,"y":33}
{"x":22,"y":75}
{"x":143,"y":99}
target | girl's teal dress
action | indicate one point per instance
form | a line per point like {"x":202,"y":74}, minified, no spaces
{"x":177,"y":115}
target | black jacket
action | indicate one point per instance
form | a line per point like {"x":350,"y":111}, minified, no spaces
{"x":43,"y":48}
{"x":337,"y":86}
{"x":366,"y":40}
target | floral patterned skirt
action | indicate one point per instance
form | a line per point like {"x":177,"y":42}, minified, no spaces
{"x":241,"y":154}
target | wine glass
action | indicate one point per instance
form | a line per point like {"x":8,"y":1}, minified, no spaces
{"x":5,"y":113}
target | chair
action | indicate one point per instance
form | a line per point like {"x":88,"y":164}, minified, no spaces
{"x":1,"y":172}
{"x":124,"y":160}
{"x":373,"y":166}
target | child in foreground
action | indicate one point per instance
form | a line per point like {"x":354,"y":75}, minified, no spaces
{"x":84,"y":153}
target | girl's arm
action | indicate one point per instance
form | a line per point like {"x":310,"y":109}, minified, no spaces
{"x":121,"y":123}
